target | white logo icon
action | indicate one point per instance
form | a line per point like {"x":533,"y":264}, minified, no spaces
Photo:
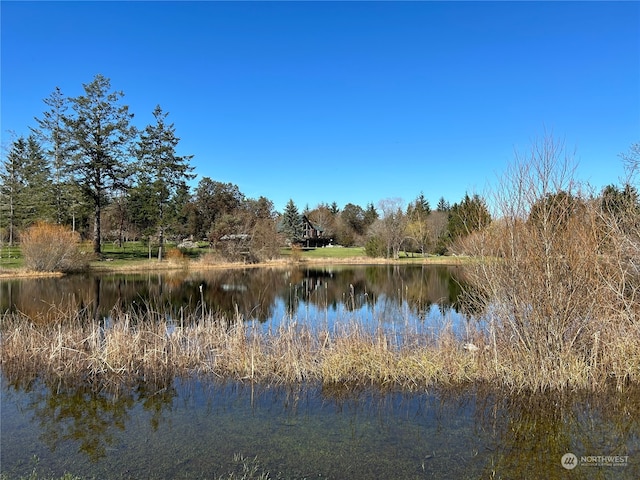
{"x":569,"y":461}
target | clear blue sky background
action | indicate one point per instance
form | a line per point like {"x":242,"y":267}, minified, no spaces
{"x":345,"y":101}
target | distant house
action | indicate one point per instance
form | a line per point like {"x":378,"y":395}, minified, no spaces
{"x":309,"y":230}
{"x":308,"y":234}
{"x":312,"y":235}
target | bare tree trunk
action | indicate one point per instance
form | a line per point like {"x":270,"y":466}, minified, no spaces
{"x":160,"y":243}
{"x":96,"y":229}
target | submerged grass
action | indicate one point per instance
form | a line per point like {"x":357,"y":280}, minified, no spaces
{"x":129,"y":347}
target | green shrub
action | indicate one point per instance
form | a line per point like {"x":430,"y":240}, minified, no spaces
{"x":375,"y":247}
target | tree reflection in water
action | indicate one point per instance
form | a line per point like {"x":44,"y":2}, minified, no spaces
{"x":333,"y":431}
{"x":531,"y":433}
{"x":91,"y":417}
{"x":261,"y":294}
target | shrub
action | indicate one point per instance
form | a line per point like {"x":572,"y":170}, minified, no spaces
{"x":176,"y":257}
{"x":52,"y":248}
{"x":552,"y":295}
{"x":375,"y":247}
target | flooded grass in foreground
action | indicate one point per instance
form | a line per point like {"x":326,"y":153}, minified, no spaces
{"x":132,"y":345}
{"x":206,"y":429}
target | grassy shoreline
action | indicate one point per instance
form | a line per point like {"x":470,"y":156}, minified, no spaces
{"x":325,"y":256}
{"x":153,"y":347}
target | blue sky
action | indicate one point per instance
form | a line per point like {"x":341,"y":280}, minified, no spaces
{"x":344,"y":101}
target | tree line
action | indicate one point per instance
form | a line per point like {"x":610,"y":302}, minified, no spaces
{"x":87,"y":166}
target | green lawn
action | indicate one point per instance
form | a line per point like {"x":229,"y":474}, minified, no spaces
{"x":128,"y":254}
{"x":11,"y":257}
{"x":329,"y":252}
{"x":132,"y":253}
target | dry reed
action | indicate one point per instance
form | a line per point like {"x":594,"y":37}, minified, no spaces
{"x":128,"y":348}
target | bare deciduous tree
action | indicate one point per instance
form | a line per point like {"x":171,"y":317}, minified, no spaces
{"x":392,"y":226}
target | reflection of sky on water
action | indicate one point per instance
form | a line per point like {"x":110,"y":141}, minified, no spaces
{"x":389,"y":292}
{"x":381,"y":312}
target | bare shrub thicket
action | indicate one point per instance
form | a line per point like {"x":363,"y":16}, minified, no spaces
{"x":559,"y":290}
{"x":53,"y":248}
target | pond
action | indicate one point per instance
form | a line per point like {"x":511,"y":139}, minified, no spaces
{"x":200,"y":428}
{"x":420,"y":294}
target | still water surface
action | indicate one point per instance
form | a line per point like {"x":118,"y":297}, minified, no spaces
{"x":192,"y":428}
{"x":422,"y":294}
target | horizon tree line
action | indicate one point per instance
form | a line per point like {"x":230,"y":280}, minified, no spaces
{"x":87,"y":166}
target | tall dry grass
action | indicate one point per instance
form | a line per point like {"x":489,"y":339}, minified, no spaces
{"x":153,"y":347}
{"x":131,"y":347}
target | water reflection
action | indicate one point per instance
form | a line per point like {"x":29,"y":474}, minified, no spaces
{"x":533,"y":429}
{"x":86,"y":417}
{"x":261,"y":294}
{"x":192,"y":429}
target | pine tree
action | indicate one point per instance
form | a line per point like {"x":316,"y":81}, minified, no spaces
{"x":51,"y":131}
{"x":12,"y":187}
{"x":443,"y":205}
{"x":37,"y":180}
{"x":166,"y":172}
{"x":178,"y":211}
{"x":370,"y":215}
{"x":470,"y":215}
{"x":99,"y":136}
{"x":24,"y":186}
{"x":292,"y":222}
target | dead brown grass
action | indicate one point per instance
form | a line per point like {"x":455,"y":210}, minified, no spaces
{"x":131,"y":348}
{"x":128,"y":348}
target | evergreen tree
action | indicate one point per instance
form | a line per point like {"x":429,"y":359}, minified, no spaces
{"x":178,"y":212}
{"x":468,"y":216}
{"x":52,"y":132}
{"x":166,"y":172}
{"x":99,"y":134}
{"x":443,"y":205}
{"x":12,"y":187}
{"x":292,"y":222}
{"x":370,"y":216}
{"x":619,"y":202}
{"x":24,"y":186}
{"x":37,"y":178}
{"x":141,"y":212}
